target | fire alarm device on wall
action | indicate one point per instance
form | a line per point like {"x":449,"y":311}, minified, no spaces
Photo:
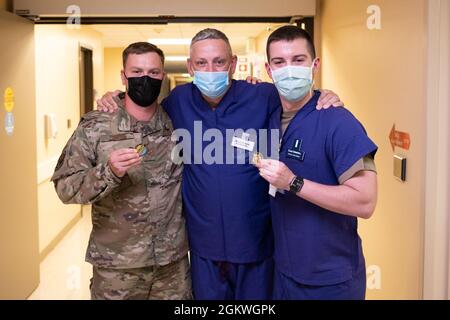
{"x":400,"y":168}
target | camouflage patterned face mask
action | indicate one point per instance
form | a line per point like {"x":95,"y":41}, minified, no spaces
{"x":144,"y":90}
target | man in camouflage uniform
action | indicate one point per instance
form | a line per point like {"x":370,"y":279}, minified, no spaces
{"x":121,"y":164}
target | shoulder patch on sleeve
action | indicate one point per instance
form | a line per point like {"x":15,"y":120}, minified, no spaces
{"x":95,"y":117}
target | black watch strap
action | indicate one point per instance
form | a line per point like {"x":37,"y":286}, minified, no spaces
{"x":296,"y":185}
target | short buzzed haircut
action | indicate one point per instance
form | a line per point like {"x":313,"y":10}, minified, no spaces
{"x":141,"y":48}
{"x":209,"y":33}
{"x":291,"y":33}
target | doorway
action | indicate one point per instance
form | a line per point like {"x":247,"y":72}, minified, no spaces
{"x":86,"y":81}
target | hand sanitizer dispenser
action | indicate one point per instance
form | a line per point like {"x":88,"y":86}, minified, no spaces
{"x":51,"y":129}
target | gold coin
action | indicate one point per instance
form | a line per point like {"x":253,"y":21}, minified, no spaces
{"x":257,"y":157}
{"x":141,"y":150}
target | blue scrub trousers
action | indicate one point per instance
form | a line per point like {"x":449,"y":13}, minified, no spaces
{"x":285,"y":288}
{"x":212,"y":280}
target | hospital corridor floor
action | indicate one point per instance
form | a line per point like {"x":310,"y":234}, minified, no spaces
{"x":64,"y":275}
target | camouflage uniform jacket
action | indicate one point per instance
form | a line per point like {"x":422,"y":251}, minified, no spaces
{"x":137,"y":220}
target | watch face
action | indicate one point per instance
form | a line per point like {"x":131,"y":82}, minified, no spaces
{"x":296,"y":185}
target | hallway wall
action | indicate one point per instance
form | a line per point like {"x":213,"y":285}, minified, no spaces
{"x":381,"y":75}
{"x":113,"y":66}
{"x":58,"y":92}
{"x":19,"y":257}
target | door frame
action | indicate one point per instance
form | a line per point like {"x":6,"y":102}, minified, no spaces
{"x":437,"y":194}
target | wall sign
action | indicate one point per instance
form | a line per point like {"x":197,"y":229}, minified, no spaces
{"x":399,"y":139}
{"x":8,"y":102}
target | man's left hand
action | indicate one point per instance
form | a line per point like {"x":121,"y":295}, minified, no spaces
{"x":328,"y":99}
{"x":253,"y":80}
{"x":276,"y":173}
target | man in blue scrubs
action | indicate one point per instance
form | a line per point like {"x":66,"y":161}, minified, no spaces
{"x":226,"y":203}
{"x":324,"y":181}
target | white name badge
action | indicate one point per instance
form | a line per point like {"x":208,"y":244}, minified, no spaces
{"x":243,"y":143}
{"x":273,"y":191}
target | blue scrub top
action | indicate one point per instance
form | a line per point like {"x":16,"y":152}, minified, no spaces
{"x":314,"y":246}
{"x":227,"y":206}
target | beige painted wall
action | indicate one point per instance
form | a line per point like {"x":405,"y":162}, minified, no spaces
{"x":381,"y":75}
{"x":113,"y":66}
{"x":19,"y":255}
{"x":57,"y":91}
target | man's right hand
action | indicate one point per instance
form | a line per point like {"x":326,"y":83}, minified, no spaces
{"x":121,"y":160}
{"x":107,"y":103}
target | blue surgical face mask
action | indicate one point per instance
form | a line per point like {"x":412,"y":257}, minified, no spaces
{"x":293,"y":82}
{"x":212,"y":84}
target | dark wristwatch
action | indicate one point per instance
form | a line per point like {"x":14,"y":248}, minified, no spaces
{"x":296,"y":185}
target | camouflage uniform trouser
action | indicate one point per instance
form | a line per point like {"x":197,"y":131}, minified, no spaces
{"x":170,"y":282}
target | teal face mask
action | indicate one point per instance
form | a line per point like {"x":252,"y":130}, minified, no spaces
{"x":293,"y":82}
{"x":212,"y":84}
